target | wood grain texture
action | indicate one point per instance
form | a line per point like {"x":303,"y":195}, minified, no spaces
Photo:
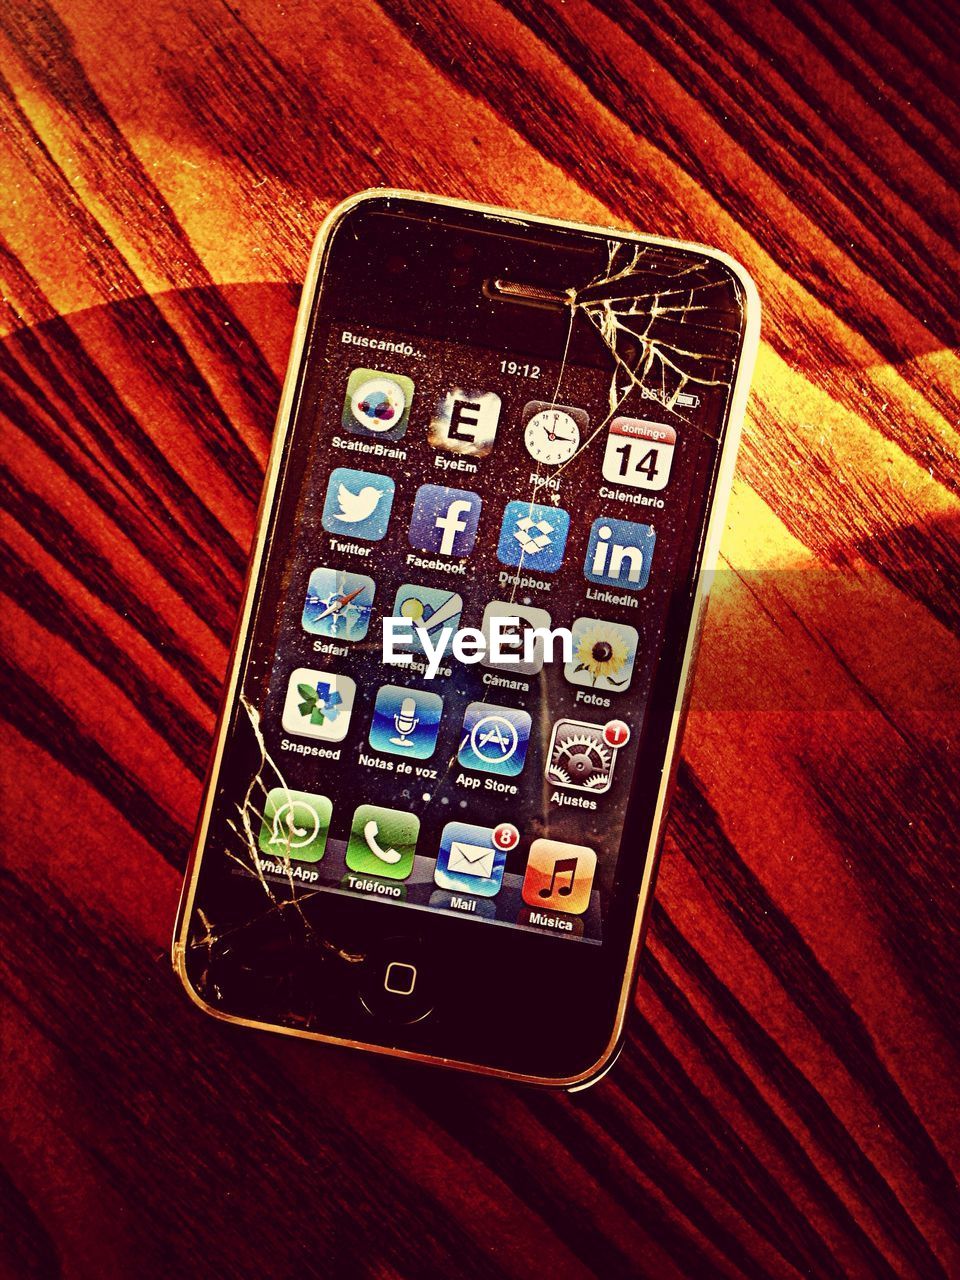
{"x":787,"y":1103}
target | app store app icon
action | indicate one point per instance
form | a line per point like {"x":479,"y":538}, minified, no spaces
{"x":494,"y":739}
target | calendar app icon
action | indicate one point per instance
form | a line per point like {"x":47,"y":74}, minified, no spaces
{"x":638,"y":453}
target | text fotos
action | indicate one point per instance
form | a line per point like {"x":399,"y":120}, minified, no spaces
{"x":505,"y":642}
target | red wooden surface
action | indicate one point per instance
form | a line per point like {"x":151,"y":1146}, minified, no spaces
{"x":787,"y":1101}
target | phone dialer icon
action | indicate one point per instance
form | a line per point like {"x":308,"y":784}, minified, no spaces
{"x":382,"y":842}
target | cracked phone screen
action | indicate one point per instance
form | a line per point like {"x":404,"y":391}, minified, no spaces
{"x":491,"y":420}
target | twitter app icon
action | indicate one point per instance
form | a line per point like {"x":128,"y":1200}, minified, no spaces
{"x":358,"y":504}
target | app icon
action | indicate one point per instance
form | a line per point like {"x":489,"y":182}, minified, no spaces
{"x":406,"y":722}
{"x":294,"y":825}
{"x":358,"y":504}
{"x":466,"y":422}
{"x":338,"y":604}
{"x":529,"y":618}
{"x":444,"y":520}
{"x":559,"y":876}
{"x":581,"y":757}
{"x":436,"y":610}
{"x":469,"y":860}
{"x":382,"y":842}
{"x":377,"y":404}
{"x":494,"y":739}
{"x":318,"y":704}
{"x":533,"y":537}
{"x":552,"y":432}
{"x":603,"y":655}
{"x":619,"y":554}
{"x":638,"y":453}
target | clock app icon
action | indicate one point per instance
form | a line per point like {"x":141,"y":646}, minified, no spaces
{"x":552,"y":432}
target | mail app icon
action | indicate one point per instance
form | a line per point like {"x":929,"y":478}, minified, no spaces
{"x":469,"y":861}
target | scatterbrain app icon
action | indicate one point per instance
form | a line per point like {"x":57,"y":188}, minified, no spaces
{"x":377,"y":404}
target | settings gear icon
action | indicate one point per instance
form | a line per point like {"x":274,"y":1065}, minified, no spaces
{"x":580,"y":757}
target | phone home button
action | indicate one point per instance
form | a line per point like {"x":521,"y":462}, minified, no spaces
{"x":400,"y":978}
{"x":395,"y":983}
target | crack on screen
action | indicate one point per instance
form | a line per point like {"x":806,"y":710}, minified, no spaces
{"x":671,"y":323}
{"x":245,"y":825}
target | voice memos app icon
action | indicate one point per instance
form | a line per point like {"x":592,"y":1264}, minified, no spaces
{"x":406,"y":721}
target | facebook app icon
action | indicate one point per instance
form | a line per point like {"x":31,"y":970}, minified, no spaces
{"x":619,"y":553}
{"x":444,"y":520}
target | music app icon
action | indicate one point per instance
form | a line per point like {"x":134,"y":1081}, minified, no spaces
{"x":559,"y":876}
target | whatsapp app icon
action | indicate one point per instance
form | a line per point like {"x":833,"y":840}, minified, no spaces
{"x":295,"y":825}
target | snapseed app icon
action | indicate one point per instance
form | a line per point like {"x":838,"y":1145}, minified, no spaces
{"x":382,"y":842}
{"x":338,"y":604}
{"x":377,"y":404}
{"x":469,"y":861}
{"x":533,"y":537}
{"x":466,"y":422}
{"x":444,"y":520}
{"x":603,"y":655}
{"x":435,"y":610}
{"x":294,"y":825}
{"x":494,"y":739}
{"x":406,"y":722}
{"x":318,"y":704}
{"x":619,"y":554}
{"x":358,"y":504}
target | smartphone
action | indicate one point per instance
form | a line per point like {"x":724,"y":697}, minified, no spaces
{"x":495,"y":494}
